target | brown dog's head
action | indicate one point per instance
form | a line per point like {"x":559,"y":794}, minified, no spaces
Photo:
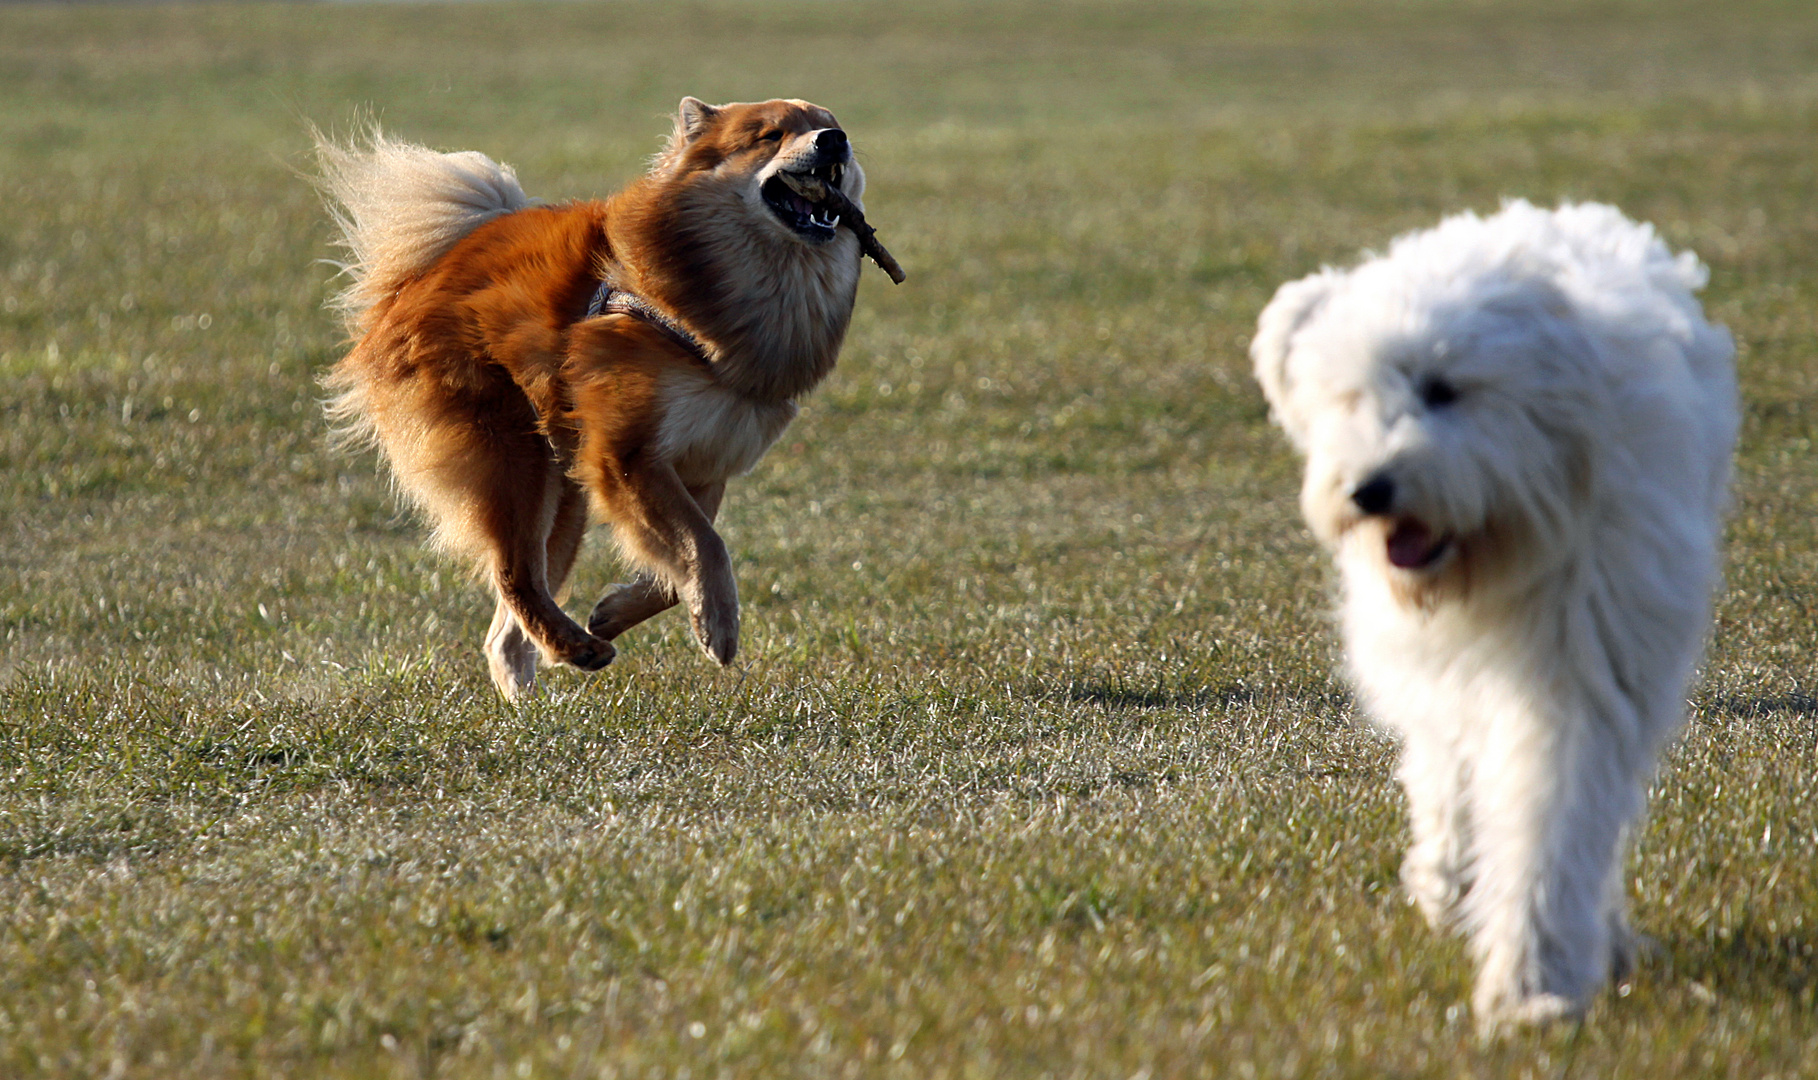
{"x":778,"y":157}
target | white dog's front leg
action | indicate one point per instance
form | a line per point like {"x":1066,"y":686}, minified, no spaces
{"x":1550,"y":804}
{"x":1434,"y":871}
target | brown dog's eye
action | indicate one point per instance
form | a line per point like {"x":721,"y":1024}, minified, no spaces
{"x":771,"y":136}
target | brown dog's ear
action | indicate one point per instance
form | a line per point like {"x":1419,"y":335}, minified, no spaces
{"x":691,"y":119}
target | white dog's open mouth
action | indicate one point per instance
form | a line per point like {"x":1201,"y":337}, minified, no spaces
{"x":1412,"y":546}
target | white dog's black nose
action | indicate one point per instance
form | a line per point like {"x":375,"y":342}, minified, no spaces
{"x":830,"y":140}
{"x":1375,"y":495}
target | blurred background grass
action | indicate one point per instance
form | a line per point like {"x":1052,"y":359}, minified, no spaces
{"x":1036,"y":763}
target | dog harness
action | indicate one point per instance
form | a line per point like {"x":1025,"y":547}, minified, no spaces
{"x":609,"y":299}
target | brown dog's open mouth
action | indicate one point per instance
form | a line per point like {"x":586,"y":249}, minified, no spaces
{"x":801,"y":200}
{"x":1412,"y":546}
{"x":813,"y":205}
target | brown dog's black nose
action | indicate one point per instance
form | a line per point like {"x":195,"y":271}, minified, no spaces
{"x":831,"y":140}
{"x":1375,"y":495}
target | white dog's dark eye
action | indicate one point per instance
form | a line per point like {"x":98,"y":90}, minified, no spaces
{"x":1437,"y":393}
{"x":772,"y":136}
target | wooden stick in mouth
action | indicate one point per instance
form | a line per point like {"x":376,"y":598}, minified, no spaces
{"x":812,"y":189}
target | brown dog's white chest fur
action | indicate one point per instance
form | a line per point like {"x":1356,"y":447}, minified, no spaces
{"x":711,"y":433}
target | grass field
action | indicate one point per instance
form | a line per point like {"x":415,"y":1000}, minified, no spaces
{"x":1035,"y":763}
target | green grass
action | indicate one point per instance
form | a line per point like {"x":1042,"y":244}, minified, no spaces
{"x":1036,"y":763}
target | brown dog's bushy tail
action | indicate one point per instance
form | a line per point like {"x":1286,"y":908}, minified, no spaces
{"x":400,"y":207}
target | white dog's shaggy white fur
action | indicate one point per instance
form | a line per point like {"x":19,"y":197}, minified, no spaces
{"x":1518,"y":433}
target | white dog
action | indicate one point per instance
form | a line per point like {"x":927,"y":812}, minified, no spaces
{"x":1518,"y":433}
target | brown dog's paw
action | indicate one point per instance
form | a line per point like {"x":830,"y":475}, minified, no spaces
{"x":511,"y":658}
{"x":627,"y":605}
{"x":591,"y":654}
{"x":716,"y":627}
{"x":513,"y":672}
{"x":608,"y":619}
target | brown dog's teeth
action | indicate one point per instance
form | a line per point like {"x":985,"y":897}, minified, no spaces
{"x":843,"y":210}
{"x":806,"y":185}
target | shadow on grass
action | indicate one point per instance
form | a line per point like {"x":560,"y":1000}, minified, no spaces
{"x":1234,"y":696}
{"x":98,"y":839}
{"x":1753,"y":962}
{"x":1772,"y":705}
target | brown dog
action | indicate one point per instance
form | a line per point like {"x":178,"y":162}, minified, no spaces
{"x":521,"y":365}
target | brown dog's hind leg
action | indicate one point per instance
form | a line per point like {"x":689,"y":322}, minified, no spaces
{"x":530,"y":529}
{"x":511,"y":654}
{"x":565,"y":535}
{"x":511,"y":657}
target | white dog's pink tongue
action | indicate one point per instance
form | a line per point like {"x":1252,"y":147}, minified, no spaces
{"x":1411,"y":545}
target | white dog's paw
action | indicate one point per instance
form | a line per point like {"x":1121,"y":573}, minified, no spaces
{"x":1431,"y":888}
{"x":1498,"y":1012}
{"x":1628,"y":950}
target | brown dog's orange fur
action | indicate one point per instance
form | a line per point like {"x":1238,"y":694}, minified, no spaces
{"x":510,"y":417}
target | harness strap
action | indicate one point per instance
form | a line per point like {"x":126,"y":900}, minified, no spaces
{"x":609,"y":299}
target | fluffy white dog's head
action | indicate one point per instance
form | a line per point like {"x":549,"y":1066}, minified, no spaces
{"x":1464,"y":400}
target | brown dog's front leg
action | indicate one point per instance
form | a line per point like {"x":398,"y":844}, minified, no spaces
{"x":626,"y":605}
{"x":663,"y":526}
{"x":712,"y":596}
